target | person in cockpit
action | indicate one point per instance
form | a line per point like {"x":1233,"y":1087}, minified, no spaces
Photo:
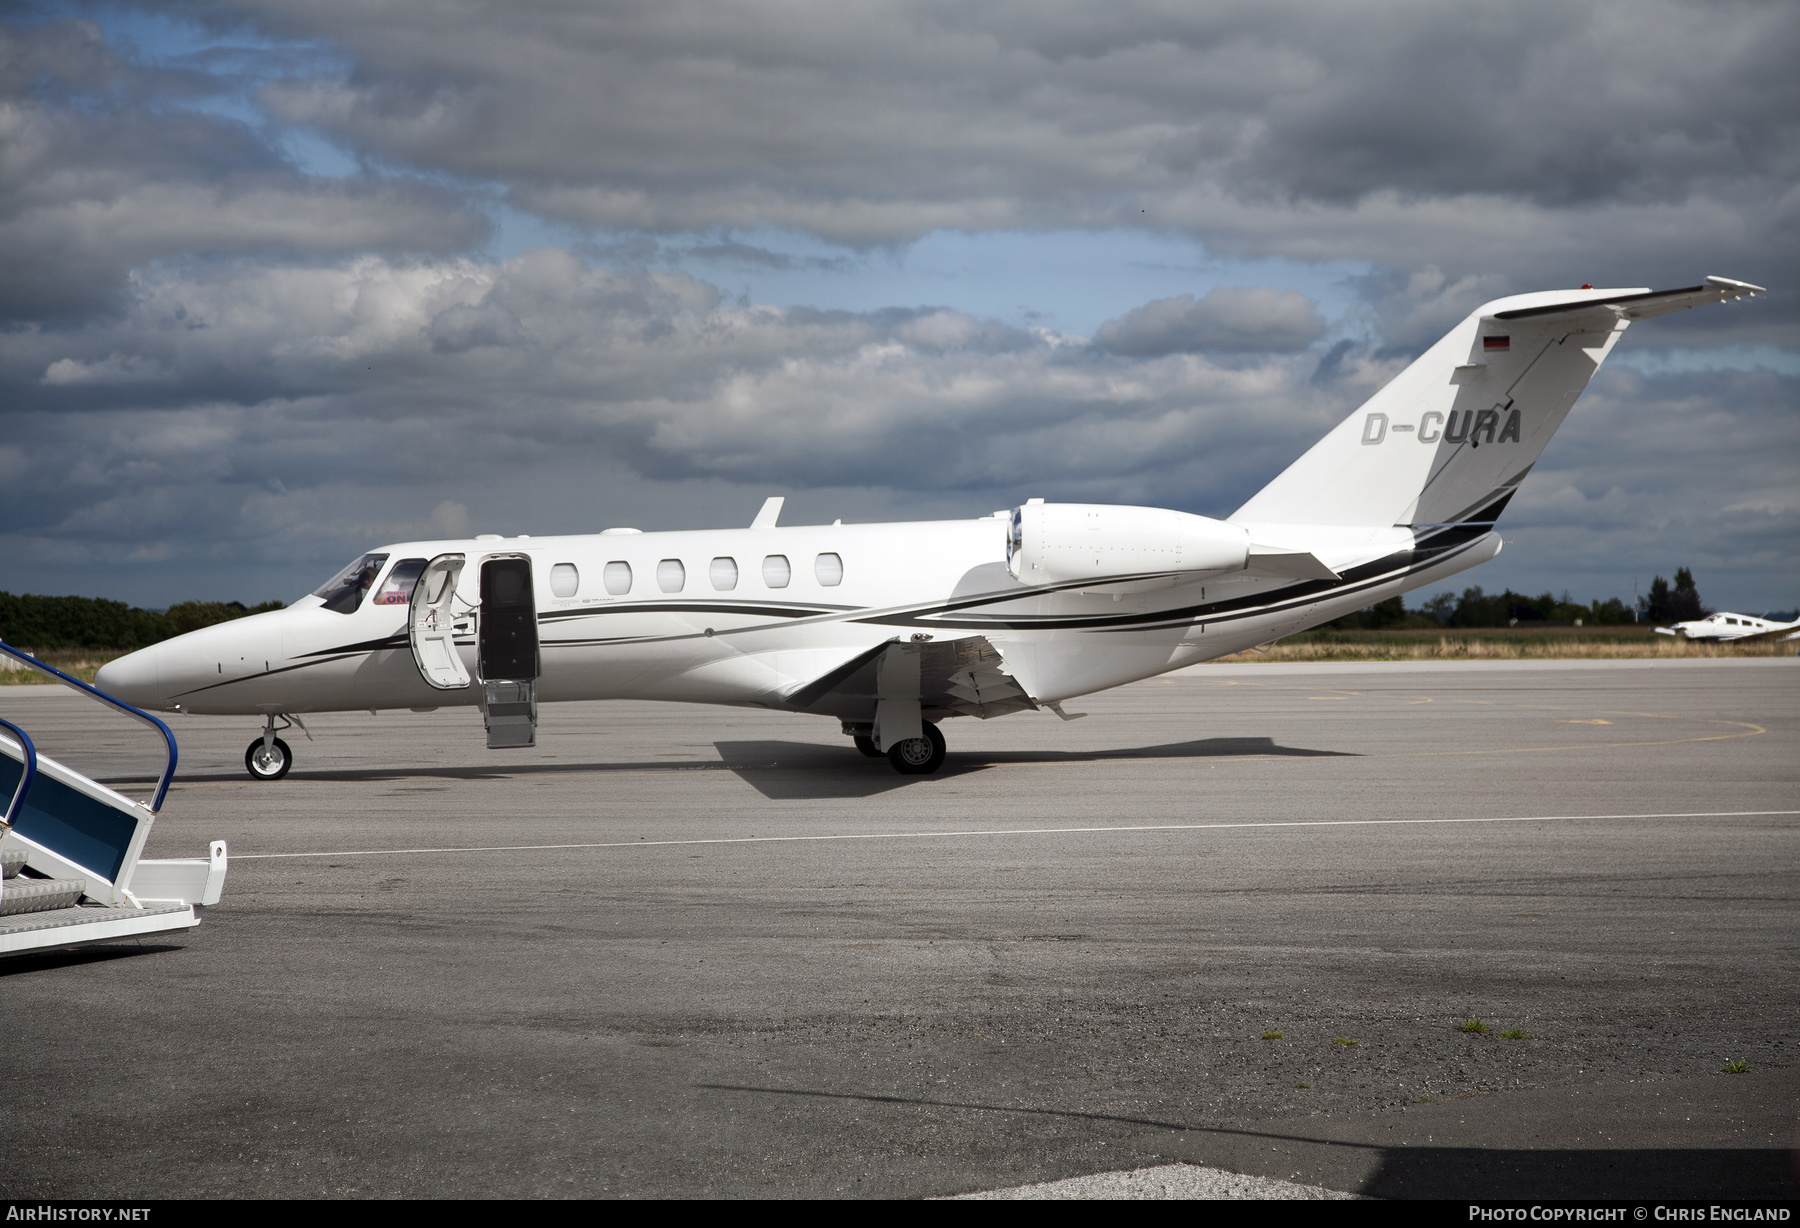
{"x":343,"y":593}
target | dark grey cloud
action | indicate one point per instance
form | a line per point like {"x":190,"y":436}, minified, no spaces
{"x":1648,"y":474}
{"x":103,"y":168}
{"x":1247,"y":319}
{"x":233,"y":403}
{"x":1542,"y":143}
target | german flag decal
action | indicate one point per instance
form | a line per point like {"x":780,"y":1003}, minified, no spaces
{"x":1496,"y":345}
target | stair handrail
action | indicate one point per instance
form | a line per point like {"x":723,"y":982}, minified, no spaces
{"x":26,"y":778}
{"x":162,"y":786}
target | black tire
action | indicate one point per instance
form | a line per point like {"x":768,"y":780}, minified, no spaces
{"x":867,"y":746}
{"x":271,"y":767}
{"x":918,"y":756}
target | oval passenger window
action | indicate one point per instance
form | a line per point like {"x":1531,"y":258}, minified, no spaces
{"x":565,"y":581}
{"x":830,"y":569}
{"x":618,"y":578}
{"x":670,"y":575}
{"x":724,"y":574}
{"x":776,"y":571}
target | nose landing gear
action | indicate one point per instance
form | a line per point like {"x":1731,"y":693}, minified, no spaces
{"x":268,"y":757}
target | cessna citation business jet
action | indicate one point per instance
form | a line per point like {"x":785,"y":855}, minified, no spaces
{"x":893,"y":628}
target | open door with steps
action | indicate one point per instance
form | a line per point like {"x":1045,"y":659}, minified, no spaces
{"x":507,"y":657}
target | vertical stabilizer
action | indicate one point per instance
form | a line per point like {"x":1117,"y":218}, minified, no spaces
{"x":1450,"y":438}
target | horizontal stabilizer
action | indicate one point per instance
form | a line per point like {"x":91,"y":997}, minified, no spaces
{"x":1642,"y":304}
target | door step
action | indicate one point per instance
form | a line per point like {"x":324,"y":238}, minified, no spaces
{"x":510,"y":712}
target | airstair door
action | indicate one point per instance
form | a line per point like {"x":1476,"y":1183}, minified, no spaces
{"x":507,"y":651}
{"x":431,"y":624}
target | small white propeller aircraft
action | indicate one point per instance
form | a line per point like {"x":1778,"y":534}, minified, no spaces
{"x":893,"y":628}
{"x":1726,"y":626}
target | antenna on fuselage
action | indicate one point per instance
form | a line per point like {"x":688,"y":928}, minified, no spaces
{"x":771,"y":510}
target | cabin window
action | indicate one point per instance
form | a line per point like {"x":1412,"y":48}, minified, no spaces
{"x":565,"y":580}
{"x":724,"y":574}
{"x":671,"y":576}
{"x":776,"y":572}
{"x":618,"y":577}
{"x":397,"y":589}
{"x":830,"y":570}
{"x":343,"y":593}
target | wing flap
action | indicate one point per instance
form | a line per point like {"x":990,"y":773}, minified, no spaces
{"x":965,"y":676}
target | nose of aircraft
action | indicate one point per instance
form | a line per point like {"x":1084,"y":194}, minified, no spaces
{"x":132,"y":678}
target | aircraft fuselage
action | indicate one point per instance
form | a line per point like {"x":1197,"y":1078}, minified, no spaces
{"x":748,"y":615}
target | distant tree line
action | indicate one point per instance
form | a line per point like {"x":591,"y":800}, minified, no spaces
{"x":32,"y":622}
{"x":1475,"y":608}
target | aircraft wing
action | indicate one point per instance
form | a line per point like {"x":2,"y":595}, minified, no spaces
{"x":964,"y":676}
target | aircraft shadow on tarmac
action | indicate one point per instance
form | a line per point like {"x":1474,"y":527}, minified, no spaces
{"x":69,"y":957}
{"x":1419,"y":1172}
{"x":787,"y":770}
{"x":1476,"y":1172}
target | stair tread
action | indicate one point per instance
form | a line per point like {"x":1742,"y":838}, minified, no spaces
{"x":22,"y":895}
{"x":57,"y":917}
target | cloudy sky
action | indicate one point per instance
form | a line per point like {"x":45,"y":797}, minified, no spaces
{"x":282,"y":280}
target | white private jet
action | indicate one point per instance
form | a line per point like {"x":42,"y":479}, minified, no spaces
{"x":893,"y":628}
{"x":1725,"y":626}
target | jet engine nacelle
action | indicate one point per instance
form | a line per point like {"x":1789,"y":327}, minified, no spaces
{"x":1055,"y":543}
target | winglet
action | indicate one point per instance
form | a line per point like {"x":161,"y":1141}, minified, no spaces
{"x":771,"y":510}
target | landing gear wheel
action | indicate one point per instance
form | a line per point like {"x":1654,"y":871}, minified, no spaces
{"x":866,"y":746}
{"x":270,"y":764}
{"x":918,"y":756}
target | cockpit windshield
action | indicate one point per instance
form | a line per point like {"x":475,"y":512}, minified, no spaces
{"x":343,"y":593}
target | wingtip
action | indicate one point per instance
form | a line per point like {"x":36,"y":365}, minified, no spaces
{"x":1739,"y":287}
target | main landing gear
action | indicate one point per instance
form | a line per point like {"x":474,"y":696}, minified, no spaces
{"x":913,"y":757}
{"x":268,"y":757}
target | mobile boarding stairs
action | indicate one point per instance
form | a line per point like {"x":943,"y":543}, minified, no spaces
{"x":70,"y":848}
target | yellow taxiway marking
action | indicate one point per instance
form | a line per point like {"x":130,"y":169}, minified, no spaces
{"x":1596,"y":721}
{"x":1021,"y":831}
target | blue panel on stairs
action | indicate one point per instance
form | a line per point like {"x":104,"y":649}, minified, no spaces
{"x":89,"y":833}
